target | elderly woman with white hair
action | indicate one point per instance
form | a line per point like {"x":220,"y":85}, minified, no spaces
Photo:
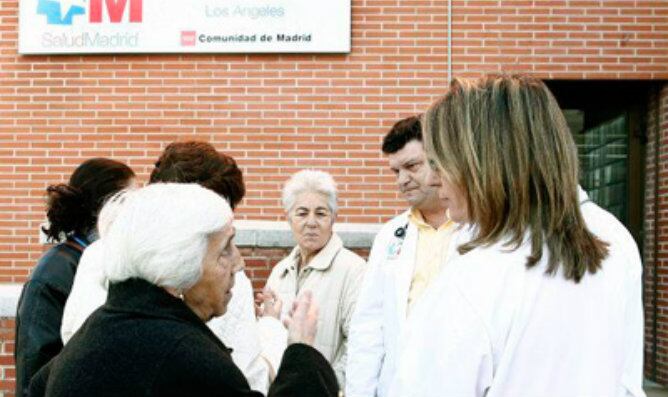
{"x":170,"y":259}
{"x":257,"y":343}
{"x":319,"y":263}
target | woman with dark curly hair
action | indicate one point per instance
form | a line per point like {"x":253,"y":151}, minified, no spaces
{"x":72,"y":210}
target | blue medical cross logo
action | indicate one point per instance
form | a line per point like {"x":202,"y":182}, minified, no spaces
{"x":54,"y":12}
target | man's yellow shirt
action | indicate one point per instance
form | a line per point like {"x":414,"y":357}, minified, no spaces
{"x":432,"y":246}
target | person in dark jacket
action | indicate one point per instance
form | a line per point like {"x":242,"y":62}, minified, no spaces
{"x":170,"y":260}
{"x":72,"y":214}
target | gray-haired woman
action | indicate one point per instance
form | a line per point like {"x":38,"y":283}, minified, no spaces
{"x":319,"y":263}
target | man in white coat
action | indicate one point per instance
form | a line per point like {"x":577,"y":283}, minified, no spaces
{"x":406,"y":255}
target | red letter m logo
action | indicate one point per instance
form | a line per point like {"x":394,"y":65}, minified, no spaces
{"x":115,"y":9}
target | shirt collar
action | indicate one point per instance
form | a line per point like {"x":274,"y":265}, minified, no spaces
{"x":78,"y":241}
{"x":142,"y":298}
{"x":322,"y":260}
{"x":416,"y":218}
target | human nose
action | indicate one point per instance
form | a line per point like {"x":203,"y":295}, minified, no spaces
{"x":403,"y":178}
{"x":311,"y":221}
{"x":238,"y":262}
{"x":434,"y":179}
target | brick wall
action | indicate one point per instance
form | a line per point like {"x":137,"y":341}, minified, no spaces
{"x":279,"y":113}
{"x":562,"y":39}
{"x":656,"y":261}
{"x":7,"y":372}
{"x":275,"y":113}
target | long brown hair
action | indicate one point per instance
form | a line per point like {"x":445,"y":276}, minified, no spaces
{"x":505,"y":142}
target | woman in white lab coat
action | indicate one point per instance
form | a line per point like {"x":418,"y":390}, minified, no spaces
{"x":541,"y":293}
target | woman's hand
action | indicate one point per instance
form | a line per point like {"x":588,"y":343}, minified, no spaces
{"x":302,"y":324}
{"x":267,"y":303}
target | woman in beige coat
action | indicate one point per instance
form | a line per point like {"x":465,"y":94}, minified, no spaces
{"x":319,"y":263}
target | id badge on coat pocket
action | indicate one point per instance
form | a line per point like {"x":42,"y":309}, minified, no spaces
{"x":394,"y":249}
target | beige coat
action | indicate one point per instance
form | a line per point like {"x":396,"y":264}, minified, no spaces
{"x":334,"y":276}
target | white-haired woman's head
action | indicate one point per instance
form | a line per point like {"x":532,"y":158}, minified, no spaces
{"x":309,"y":198}
{"x":161,"y":234}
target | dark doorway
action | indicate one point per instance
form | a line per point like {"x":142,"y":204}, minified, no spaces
{"x":607,"y":119}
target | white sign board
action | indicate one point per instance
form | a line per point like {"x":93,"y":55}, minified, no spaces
{"x":183,"y":26}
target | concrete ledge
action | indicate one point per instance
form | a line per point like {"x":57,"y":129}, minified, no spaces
{"x":268,"y":234}
{"x":9,"y":298}
{"x":261,"y":234}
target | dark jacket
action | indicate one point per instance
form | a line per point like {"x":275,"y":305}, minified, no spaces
{"x":146,"y":342}
{"x":40,"y":311}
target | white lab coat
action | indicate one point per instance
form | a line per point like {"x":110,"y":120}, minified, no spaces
{"x":487,"y":326}
{"x":380,"y":313}
{"x":89,"y":290}
{"x":257,"y":344}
